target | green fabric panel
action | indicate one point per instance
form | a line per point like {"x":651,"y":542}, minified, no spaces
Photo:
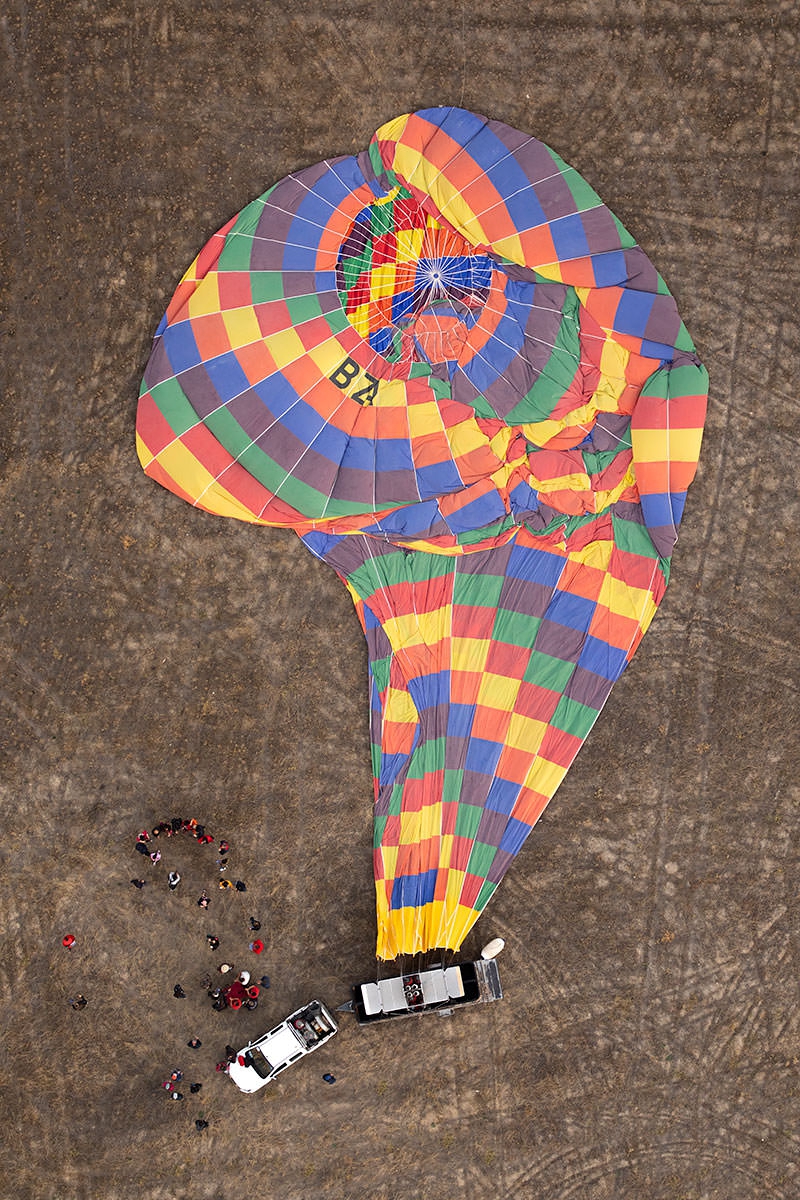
{"x":266,"y":286}
{"x":515,"y":629}
{"x":468,"y":818}
{"x":477,"y":591}
{"x":573,"y":717}
{"x":558,"y":373}
{"x":378,"y":831}
{"x":171,"y":401}
{"x":488,"y":889}
{"x":305,"y":499}
{"x":481,"y":858}
{"x":452,"y":785}
{"x":303,"y":308}
{"x":632,"y":537}
{"x":548,"y":672}
{"x":237,"y":252}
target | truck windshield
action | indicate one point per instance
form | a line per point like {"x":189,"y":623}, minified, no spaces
{"x":255,"y":1059}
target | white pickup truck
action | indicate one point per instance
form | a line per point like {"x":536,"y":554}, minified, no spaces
{"x":304,"y":1030}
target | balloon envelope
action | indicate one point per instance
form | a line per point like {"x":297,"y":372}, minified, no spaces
{"x":448,"y":367}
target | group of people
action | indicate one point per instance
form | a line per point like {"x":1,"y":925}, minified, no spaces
{"x":177,"y":825}
{"x":171,"y":1086}
{"x":145,"y":845}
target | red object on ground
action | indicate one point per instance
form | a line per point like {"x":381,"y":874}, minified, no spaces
{"x":235,"y":995}
{"x":68,"y":941}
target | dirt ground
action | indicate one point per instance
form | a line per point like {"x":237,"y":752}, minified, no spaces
{"x":158,"y":661}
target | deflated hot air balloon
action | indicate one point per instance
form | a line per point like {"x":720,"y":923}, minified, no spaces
{"x":445,"y":364}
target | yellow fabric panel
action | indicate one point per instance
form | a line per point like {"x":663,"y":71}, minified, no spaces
{"x":424,"y":419}
{"x":500,"y":444}
{"x":463,"y":920}
{"x":328,"y":356}
{"x":577,"y":482}
{"x":414,"y":629}
{"x":205,"y":297}
{"x":180,"y":463}
{"x":541,"y":432}
{"x":665,"y":445}
{"x":359,"y":318}
{"x":445,"y":851}
{"x":399,"y":707}
{"x":388,"y":856}
{"x":464,"y":438}
{"x":436,"y":915}
{"x":614,"y":360}
{"x":510,"y":247}
{"x":455,"y":882}
{"x":409,"y":931}
{"x":469,"y":654}
{"x":392,"y":130}
{"x":241,"y":325}
{"x":545,"y":776}
{"x":624,"y":600}
{"x":595,"y":554}
{"x":604,"y":499}
{"x":391,"y":394}
{"x":285,"y":347}
{"x":498,"y":691}
{"x":430,"y":823}
{"x":551,"y":271}
{"x":525,"y":733}
{"x":409,"y":244}
{"x":382,"y":280}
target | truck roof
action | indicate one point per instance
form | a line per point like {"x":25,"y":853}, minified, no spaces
{"x":280,"y":1046}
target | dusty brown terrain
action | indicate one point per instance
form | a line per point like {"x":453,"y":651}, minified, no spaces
{"x":155,"y":660}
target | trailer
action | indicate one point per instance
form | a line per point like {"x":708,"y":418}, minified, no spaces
{"x":438,"y":989}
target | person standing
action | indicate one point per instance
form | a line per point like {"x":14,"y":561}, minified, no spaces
{"x":173,"y":880}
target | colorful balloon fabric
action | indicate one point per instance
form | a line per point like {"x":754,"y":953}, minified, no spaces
{"x":445,"y":364}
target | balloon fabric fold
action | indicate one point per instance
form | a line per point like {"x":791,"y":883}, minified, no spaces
{"x":445,"y":364}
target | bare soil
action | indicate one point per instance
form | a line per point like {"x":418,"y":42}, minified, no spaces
{"x":155,"y":661}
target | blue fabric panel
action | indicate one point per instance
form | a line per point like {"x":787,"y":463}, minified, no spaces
{"x":569,"y":237}
{"x":537,"y":566}
{"x":574,"y":611}
{"x":514,"y":836}
{"x":460,"y":719}
{"x":483,"y":756}
{"x":438,"y":479}
{"x":181,"y":348}
{"x":410,"y":891}
{"x":227,"y":376}
{"x":602,"y":659}
{"x":503,"y":795}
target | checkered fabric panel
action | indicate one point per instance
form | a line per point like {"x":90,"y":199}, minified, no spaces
{"x":448,"y":367}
